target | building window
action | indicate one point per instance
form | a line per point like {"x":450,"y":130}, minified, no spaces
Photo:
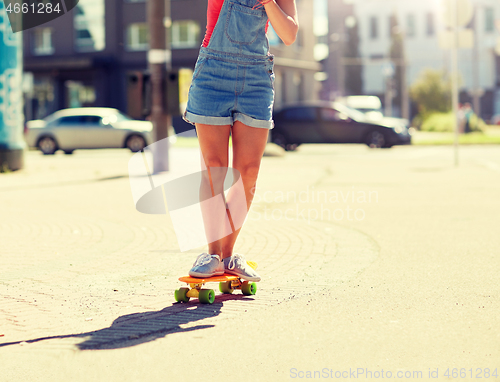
{"x":185,"y":34}
{"x":489,"y":20}
{"x":430,"y":29}
{"x":78,"y":94}
{"x":42,"y":41}
{"x":373,"y":27}
{"x":307,"y":114}
{"x":89,"y":26}
{"x":138,"y":36}
{"x":410,"y":26}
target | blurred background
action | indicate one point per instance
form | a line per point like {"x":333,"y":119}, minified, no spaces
{"x":394,"y":55}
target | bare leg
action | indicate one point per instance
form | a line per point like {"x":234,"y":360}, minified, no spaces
{"x":214,"y":142}
{"x":249,"y":144}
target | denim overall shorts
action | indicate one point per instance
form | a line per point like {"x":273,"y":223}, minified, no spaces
{"x":233,"y":79}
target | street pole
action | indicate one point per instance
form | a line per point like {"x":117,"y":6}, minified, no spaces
{"x":476,"y":90}
{"x":167,"y":23}
{"x":341,"y":69}
{"x":389,"y":87}
{"x":405,"y":113}
{"x":157,"y":59}
{"x":454,"y":74}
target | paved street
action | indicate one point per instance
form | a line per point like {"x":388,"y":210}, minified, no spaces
{"x":371,"y":260}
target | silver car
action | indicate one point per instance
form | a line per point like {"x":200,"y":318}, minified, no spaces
{"x":87,"y":128}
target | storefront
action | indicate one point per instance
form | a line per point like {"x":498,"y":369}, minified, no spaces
{"x":11,"y":101}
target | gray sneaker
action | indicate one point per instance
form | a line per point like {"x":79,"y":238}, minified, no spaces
{"x":207,"y":266}
{"x":237,"y":265}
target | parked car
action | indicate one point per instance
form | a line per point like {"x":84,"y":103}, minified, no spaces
{"x":87,"y":128}
{"x":495,"y":120}
{"x":333,"y":122}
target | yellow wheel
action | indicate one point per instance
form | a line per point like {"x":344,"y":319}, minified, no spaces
{"x":180,"y":295}
{"x":248,"y":288}
{"x":207,"y":296}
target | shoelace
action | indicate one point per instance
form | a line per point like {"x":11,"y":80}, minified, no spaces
{"x":261,"y":3}
{"x":236,"y":259}
{"x":203,"y":259}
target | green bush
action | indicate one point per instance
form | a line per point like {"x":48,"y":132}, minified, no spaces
{"x":443,"y":122}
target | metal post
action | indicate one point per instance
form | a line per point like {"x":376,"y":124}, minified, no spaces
{"x":341,"y":69}
{"x":454,"y":74}
{"x":157,"y":57}
{"x":12,"y":144}
{"x":167,"y":22}
{"x":405,"y":113}
{"x":389,"y":87}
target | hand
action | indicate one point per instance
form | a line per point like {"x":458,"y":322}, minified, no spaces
{"x":262,"y":3}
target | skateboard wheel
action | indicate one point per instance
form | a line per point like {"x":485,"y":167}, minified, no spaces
{"x":225,"y":287}
{"x":180,"y":295}
{"x":207,"y":296}
{"x":248,"y":288}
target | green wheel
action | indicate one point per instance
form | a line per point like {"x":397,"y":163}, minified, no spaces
{"x":180,"y":295}
{"x":225,"y":287}
{"x":248,"y":288}
{"x":207,"y":296}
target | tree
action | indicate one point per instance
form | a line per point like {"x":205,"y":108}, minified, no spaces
{"x":353,"y":71}
{"x":432,"y":92}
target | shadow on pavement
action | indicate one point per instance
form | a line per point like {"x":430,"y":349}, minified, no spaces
{"x":137,"y":328}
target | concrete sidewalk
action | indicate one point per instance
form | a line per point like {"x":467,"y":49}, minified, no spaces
{"x":371,"y":260}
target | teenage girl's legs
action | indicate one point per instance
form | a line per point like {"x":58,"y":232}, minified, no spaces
{"x":248,"y":147}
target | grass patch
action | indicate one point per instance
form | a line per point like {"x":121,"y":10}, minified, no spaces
{"x":186,"y":142}
{"x":4,"y":168}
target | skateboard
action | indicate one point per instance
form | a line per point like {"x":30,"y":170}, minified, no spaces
{"x":227,"y":284}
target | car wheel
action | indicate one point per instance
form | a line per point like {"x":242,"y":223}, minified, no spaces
{"x":279,"y":139}
{"x":47,"y":145}
{"x":375,"y":139}
{"x":135,"y":143}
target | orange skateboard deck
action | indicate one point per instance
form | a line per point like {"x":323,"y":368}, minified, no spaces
{"x":227,"y":284}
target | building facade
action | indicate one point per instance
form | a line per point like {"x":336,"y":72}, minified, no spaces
{"x":84,"y":58}
{"x":334,"y":83}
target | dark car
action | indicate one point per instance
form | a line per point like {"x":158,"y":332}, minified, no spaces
{"x":332,"y":122}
